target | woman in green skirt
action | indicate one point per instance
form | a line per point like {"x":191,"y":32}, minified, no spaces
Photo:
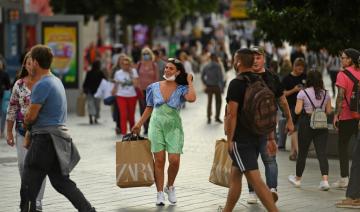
{"x":163,"y":103}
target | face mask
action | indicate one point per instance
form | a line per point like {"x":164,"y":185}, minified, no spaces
{"x":172,"y":78}
{"x":146,"y":57}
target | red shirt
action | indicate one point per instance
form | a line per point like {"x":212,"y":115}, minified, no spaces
{"x":345,"y":82}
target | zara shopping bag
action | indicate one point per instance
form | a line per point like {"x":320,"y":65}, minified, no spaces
{"x":221,"y":168}
{"x":134,"y":162}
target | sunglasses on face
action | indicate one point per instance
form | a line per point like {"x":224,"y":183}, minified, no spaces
{"x":174,"y":60}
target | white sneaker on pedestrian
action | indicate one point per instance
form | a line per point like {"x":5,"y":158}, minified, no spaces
{"x":292,"y":180}
{"x":252,"y":198}
{"x":220,"y":209}
{"x":170,"y":191}
{"x":160,"y":199}
{"x":324,"y":185}
{"x":341,"y":183}
{"x":38,"y":205}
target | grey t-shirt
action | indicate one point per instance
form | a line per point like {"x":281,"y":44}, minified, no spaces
{"x":50,"y":93}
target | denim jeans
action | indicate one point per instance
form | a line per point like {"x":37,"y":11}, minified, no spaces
{"x":41,"y":160}
{"x":270,"y":164}
{"x":353,"y":189}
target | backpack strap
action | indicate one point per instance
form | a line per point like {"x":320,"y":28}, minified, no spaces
{"x":309,"y":99}
{"x":322,"y":103}
{"x":352,"y":78}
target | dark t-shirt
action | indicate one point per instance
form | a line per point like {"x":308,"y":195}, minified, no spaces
{"x":273,"y":82}
{"x":289,"y":82}
{"x":236,"y":93}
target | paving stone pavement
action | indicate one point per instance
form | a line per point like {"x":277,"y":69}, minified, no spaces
{"x":95,"y":174}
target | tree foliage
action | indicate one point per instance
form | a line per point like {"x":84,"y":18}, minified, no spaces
{"x":149,"y":12}
{"x":330,"y":24}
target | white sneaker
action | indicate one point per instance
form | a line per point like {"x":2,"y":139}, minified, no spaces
{"x":160,"y":199}
{"x":252,"y":199}
{"x":170,"y":191}
{"x":341,"y":183}
{"x":324,"y":185}
{"x":292,"y":180}
{"x":39,"y":205}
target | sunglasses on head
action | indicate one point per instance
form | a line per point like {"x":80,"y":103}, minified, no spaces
{"x":174,"y":60}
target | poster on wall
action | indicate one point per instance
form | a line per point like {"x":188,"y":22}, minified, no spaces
{"x":62,"y":38}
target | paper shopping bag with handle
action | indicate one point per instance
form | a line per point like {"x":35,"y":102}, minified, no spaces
{"x":221,"y":168}
{"x":134,"y":162}
{"x":80,"y":104}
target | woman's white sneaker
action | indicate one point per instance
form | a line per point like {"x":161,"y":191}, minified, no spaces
{"x":170,"y":191}
{"x":341,"y":183}
{"x":160,"y":199}
{"x":324,"y":185}
{"x":252,"y":198}
{"x":292,"y":180}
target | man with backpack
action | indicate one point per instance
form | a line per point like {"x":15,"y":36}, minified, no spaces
{"x":247,"y":94}
{"x":273,"y":82}
{"x":346,"y":120}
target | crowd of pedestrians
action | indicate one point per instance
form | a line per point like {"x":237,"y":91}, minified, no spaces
{"x":161,"y":86}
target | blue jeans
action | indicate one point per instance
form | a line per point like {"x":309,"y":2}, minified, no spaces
{"x":353,"y":189}
{"x":271,"y":167}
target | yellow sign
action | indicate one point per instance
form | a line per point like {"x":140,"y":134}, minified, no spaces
{"x":63,"y":40}
{"x":238,"y":9}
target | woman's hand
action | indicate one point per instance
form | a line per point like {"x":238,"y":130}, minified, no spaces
{"x":10,"y":139}
{"x":189,"y":78}
{"x":136,"y":129}
{"x":27,"y":140}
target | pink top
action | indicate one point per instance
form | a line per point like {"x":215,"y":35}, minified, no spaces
{"x":317,"y":102}
{"x":148,"y":73}
{"x":345,"y":82}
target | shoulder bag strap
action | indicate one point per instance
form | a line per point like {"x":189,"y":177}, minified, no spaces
{"x":322,"y":103}
{"x":309,"y":99}
{"x":352,"y":78}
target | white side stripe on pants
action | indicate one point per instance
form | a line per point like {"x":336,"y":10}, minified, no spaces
{"x":238,"y":158}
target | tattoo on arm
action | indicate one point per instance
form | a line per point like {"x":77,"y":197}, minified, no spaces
{"x":339,"y":100}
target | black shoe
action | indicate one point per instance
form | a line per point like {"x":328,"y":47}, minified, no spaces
{"x":219,"y":121}
{"x":90,"y":120}
{"x":209,"y":121}
{"x":96,"y":121}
